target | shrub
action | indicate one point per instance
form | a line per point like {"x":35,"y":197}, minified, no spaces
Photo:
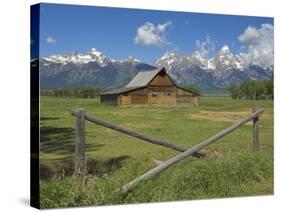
{"x":252,"y":89}
{"x":82,"y":92}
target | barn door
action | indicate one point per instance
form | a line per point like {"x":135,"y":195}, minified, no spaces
{"x":153,"y":97}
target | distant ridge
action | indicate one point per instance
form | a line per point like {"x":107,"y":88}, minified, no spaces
{"x":95,"y":69}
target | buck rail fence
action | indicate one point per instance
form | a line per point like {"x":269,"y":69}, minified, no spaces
{"x":80,"y":160}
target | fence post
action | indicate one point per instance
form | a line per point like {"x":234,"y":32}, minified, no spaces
{"x":255,"y":131}
{"x":80,"y":162}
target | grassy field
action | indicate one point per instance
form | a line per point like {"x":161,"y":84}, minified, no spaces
{"x":230,"y":168}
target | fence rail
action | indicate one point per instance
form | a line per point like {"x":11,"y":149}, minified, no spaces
{"x":80,"y":162}
{"x":187,"y":153}
{"x":136,"y":134}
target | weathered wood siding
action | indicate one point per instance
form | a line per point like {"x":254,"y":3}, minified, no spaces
{"x":164,"y":95}
{"x":161,"y":90}
{"x":161,"y":80}
{"x":139,"y":97}
{"x":184,"y":97}
{"x":124,"y":99}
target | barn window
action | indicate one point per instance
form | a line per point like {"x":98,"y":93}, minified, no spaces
{"x":154,"y":94}
{"x":167,"y":93}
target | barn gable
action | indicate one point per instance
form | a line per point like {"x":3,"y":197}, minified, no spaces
{"x":161,"y":79}
{"x":142,"y":78}
{"x":154,"y":78}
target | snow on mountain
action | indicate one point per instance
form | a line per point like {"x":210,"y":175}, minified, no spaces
{"x":222,"y":69}
{"x":93,"y":68}
{"x":130,"y":59}
{"x":227,"y":60}
{"x":168,"y":60}
{"x":78,"y":58}
{"x":199,"y":60}
{"x":88,"y":69}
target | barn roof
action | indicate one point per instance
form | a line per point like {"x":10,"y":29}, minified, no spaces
{"x":120,"y":90}
{"x":142,"y":78}
{"x":139,"y":81}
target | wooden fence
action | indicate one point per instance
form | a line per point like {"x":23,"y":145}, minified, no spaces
{"x":80,"y":160}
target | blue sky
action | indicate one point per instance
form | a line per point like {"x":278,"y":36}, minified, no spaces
{"x":144,"y":34}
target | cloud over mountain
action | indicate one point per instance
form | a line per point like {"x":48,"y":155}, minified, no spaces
{"x":259,"y":45}
{"x":205,"y":47}
{"x":150,"y":34}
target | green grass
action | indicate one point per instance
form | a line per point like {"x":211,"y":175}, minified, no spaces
{"x":230,"y":168}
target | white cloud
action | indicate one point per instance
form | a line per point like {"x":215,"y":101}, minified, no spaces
{"x":50,"y":40}
{"x":205,"y":47}
{"x":258,"y":45}
{"x":150,"y":34}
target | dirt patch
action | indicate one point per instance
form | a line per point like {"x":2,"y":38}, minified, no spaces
{"x":136,"y":126}
{"x":221,"y":116}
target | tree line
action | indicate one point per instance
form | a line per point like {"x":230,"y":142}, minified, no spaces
{"x":193,"y":87}
{"x":82,"y":92}
{"x":253,"y":89}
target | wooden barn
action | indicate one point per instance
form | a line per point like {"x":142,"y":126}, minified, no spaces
{"x":151,"y":88}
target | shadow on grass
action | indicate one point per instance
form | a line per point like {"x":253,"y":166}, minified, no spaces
{"x":101,"y":167}
{"x":48,"y":118}
{"x":60,"y":140}
{"x":58,"y":169}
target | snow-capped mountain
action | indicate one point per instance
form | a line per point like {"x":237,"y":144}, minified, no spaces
{"x":88,"y":69}
{"x":78,"y":58}
{"x":218,"y":72}
{"x":225,"y":60}
{"x":95,"y":69}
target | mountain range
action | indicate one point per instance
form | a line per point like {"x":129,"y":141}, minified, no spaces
{"x":97,"y":70}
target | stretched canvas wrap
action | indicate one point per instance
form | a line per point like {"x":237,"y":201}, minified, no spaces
{"x":137,"y":106}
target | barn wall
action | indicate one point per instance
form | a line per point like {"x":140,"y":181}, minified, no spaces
{"x":184,"y":97}
{"x":161,"y":90}
{"x":124,"y":99}
{"x":111,"y":99}
{"x":162,"y":95}
{"x":139,"y":97}
{"x":196,"y":100}
{"x":156,"y":95}
{"x":162,"y":98}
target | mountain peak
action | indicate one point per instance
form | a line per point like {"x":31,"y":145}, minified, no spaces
{"x":168,"y":55}
{"x":225,"y":48}
{"x":95,"y":52}
{"x":129,"y":59}
{"x":132,"y":59}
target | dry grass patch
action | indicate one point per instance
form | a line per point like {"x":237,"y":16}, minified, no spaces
{"x":220,"y":116}
{"x":136,"y":126}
